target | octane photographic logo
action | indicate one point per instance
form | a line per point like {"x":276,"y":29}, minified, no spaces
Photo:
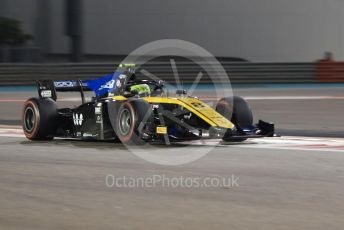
{"x":220,"y":87}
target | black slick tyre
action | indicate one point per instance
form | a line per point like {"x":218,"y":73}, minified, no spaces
{"x":129,"y":116}
{"x":235,"y":109}
{"x":39,"y":119}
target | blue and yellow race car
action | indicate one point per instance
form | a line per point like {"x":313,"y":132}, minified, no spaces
{"x":136,"y":112}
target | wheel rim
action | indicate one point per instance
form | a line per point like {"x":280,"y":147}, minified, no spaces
{"x":125,"y":122}
{"x":29,"y":119}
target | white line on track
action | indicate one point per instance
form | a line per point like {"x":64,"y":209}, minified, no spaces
{"x":286,"y":142}
{"x":74,"y":99}
{"x":297,"y":143}
{"x":295,"y":98}
{"x":6,"y":132}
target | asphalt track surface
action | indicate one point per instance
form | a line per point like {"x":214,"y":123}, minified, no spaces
{"x":282,"y":183}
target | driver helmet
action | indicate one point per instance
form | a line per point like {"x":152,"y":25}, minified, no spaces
{"x":141,"y":89}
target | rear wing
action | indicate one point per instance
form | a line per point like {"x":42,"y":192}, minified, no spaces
{"x":48,"y":88}
{"x":111,"y":84}
{"x":71,"y":86}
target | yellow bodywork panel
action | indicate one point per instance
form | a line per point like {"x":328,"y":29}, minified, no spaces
{"x":199,"y":108}
{"x":119,"y":98}
{"x":161,"y":130}
{"x":208,"y":112}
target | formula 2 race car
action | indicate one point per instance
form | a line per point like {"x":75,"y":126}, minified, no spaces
{"x":136,"y":111}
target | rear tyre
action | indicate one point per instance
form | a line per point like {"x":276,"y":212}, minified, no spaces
{"x":39,"y":119}
{"x":127,"y":123}
{"x":237,"y":110}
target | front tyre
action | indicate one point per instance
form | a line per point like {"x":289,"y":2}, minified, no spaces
{"x":39,"y":119}
{"x":237,"y":110}
{"x":129,"y":116}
